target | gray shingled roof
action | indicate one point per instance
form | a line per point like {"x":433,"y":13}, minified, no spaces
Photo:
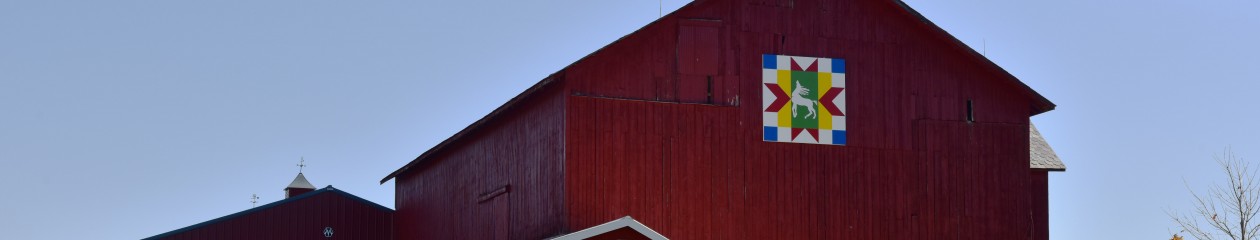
{"x":1041,"y":156}
{"x":300,"y":182}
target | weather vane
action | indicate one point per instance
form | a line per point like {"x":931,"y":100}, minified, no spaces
{"x":254,"y":200}
{"x":301,"y":164}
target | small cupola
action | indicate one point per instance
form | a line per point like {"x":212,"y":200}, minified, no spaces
{"x":299,"y":184}
{"x":298,"y":187}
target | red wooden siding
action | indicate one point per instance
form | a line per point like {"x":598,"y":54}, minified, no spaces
{"x":620,"y":133}
{"x":301,"y":219}
{"x":700,"y":62}
{"x":670,"y":166}
{"x":914,"y":167}
{"x":665,"y":164}
{"x":450,"y":195}
{"x":1041,"y":205}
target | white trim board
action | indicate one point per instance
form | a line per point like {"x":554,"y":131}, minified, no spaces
{"x":622,"y":222}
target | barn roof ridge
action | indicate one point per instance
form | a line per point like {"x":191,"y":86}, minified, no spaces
{"x":528,"y":92}
{"x":328,"y":189}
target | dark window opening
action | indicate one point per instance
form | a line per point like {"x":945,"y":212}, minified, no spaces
{"x":971,"y":112}
{"x":708,"y":88}
{"x":782,"y":42}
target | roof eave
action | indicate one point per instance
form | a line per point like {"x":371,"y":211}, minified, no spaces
{"x":472,"y":127}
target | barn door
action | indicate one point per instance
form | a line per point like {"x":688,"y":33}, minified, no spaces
{"x":699,"y":59}
{"x":502,"y":217}
{"x":496,"y":206}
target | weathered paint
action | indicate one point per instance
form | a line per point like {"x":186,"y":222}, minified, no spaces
{"x":627,"y":131}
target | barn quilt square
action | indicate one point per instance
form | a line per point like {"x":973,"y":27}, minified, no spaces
{"x":803,"y":100}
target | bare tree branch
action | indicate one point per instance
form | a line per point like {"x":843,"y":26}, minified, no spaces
{"x":1230,"y":210}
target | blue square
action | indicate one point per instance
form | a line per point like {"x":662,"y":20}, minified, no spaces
{"x":769,"y":61}
{"x":837,"y":65}
{"x":838,"y":137}
{"x":770,"y":134}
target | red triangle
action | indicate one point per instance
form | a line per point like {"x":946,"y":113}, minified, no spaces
{"x":828,"y":101}
{"x":780,"y":98}
{"x":813,"y":66}
{"x":796,"y":132}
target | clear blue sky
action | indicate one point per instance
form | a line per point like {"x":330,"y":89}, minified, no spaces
{"x":125,"y":119}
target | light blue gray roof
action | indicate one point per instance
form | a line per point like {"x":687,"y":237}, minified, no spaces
{"x":300,"y":182}
{"x":1040,"y":155}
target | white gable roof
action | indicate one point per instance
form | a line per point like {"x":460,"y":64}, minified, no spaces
{"x":620,"y":223}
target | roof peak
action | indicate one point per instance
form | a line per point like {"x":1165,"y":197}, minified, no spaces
{"x":301,"y":182}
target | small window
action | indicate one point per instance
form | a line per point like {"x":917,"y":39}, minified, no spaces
{"x":708,"y":83}
{"x":971,"y":112}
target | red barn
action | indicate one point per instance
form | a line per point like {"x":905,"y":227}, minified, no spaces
{"x":750,"y":119}
{"x":305,"y":213}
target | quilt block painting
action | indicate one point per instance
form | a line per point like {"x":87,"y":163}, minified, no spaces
{"x":803,"y":100}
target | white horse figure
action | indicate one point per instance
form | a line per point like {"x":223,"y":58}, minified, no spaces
{"x":798,"y":99}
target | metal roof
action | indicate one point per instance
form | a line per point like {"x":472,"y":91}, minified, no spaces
{"x":300,"y":182}
{"x":1040,"y":155}
{"x":328,"y":189}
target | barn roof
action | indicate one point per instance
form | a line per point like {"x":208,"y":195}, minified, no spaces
{"x":1041,"y":104}
{"x":329,"y":189}
{"x":1040,"y":155}
{"x":300,"y":182}
{"x":626,"y":222}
